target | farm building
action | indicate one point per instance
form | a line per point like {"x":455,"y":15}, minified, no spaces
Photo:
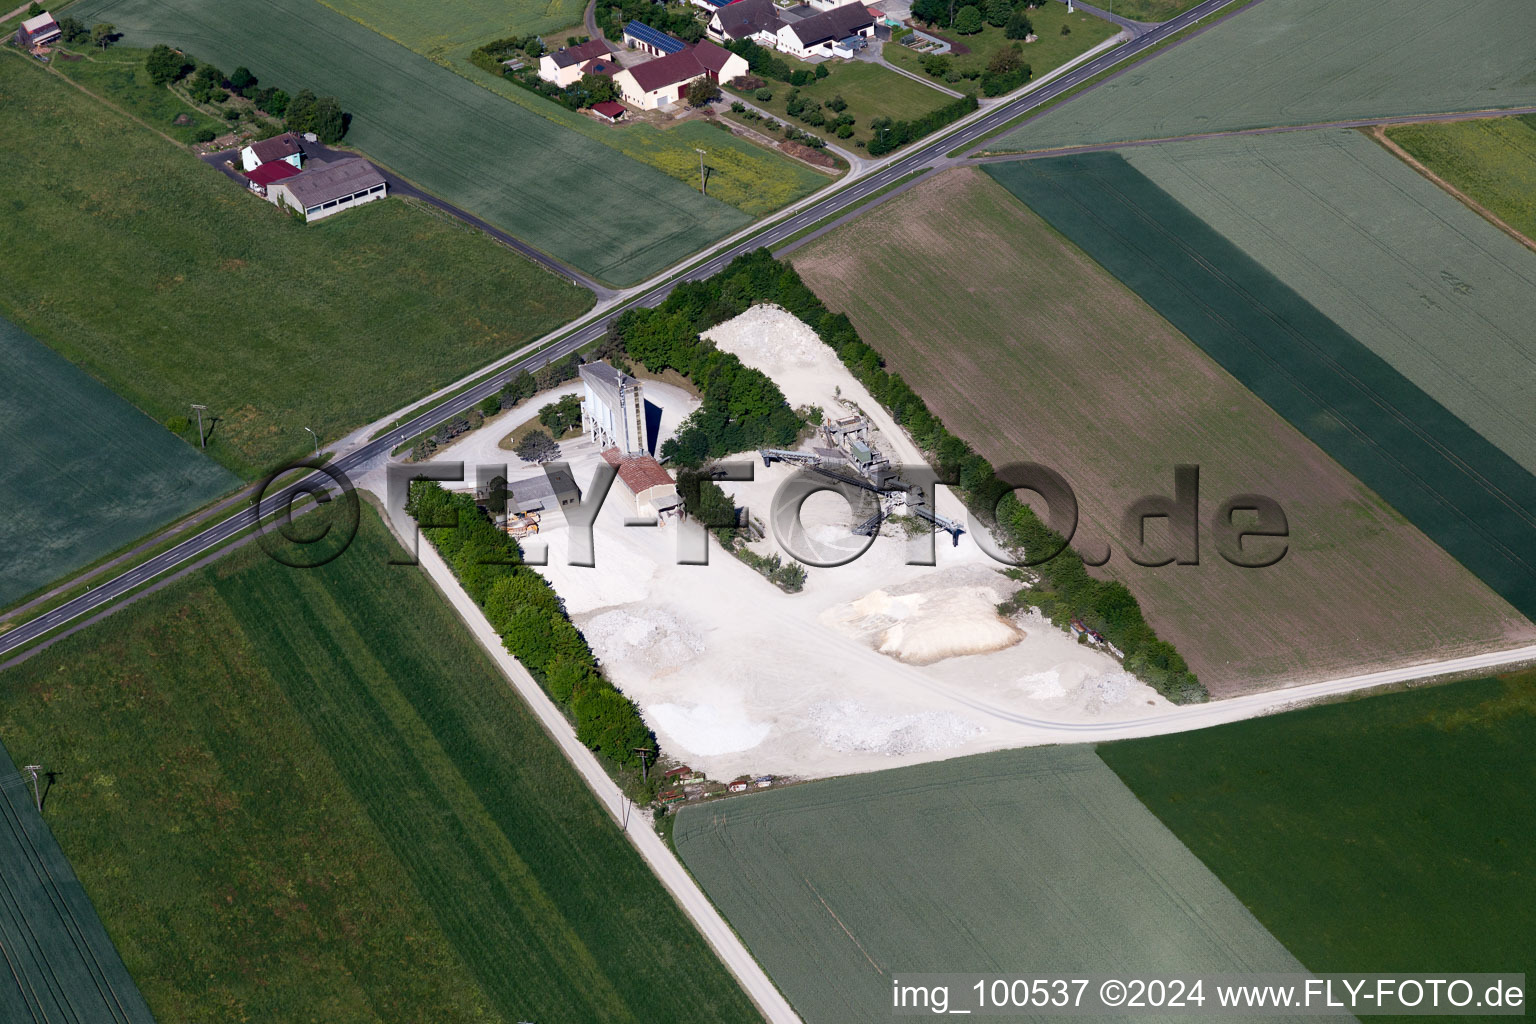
{"x":757,"y":20}
{"x":329,"y":189}
{"x":613,"y":409}
{"x":817,"y":36}
{"x":659,"y":83}
{"x":567,"y":64}
{"x":653,"y":41}
{"x":652,"y":491}
{"x":267,"y":173}
{"x":286,"y":147}
{"x":608,"y":111}
{"x":38,"y":31}
{"x":553,"y":488}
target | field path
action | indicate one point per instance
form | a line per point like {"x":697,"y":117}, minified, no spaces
{"x":668,"y":868}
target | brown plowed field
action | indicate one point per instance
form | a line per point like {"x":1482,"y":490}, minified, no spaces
{"x":1029,"y":350}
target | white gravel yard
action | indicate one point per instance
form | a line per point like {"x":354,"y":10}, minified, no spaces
{"x":877,"y":663}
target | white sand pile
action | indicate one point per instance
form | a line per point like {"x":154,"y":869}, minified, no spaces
{"x":770,"y":338}
{"x":945,"y":614}
{"x":706,"y":730}
{"x":642,"y":637}
{"x":847,"y":726}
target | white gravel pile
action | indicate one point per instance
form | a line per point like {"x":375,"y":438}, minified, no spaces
{"x":645,"y":636}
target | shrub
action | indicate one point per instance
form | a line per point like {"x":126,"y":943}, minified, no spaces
{"x":1019,"y":26}
{"x":837,"y":103}
{"x":1066,"y":30}
{"x":738,"y":107}
{"x":178,"y":424}
{"x":204,"y":135}
{"x":845,"y":131}
{"x":801,"y":77}
{"x":821,"y":71}
{"x":763,"y":95}
{"x":490,"y":406}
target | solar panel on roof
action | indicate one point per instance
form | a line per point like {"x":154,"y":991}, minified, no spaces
{"x":654,"y":37}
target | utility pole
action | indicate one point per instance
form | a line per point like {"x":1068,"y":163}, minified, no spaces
{"x":317,"y":441}
{"x":645,"y":772}
{"x":200,"y":438}
{"x":37,"y":795}
{"x":701,"y":170}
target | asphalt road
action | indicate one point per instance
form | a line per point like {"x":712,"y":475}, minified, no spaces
{"x":352,"y":460}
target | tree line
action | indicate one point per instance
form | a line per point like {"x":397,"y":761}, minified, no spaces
{"x":530,"y":618}
{"x":1064,"y":589}
{"x":889,"y":134}
{"x":205,"y":83}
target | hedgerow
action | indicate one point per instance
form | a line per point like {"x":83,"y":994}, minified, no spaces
{"x":530,"y":618}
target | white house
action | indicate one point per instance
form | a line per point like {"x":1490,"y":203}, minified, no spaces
{"x":566,"y":65}
{"x":757,"y":20}
{"x":663,"y":81}
{"x":613,"y":409}
{"x":817,"y":35}
{"x":285,"y":147}
{"x":328,"y":189}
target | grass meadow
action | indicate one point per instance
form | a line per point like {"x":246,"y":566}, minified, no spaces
{"x":118,"y":76}
{"x":1036,"y":860}
{"x":1303,"y":62}
{"x":582,"y":202}
{"x":1049,"y":51}
{"x":84,"y":472}
{"x":871,"y":91}
{"x":172,"y":285}
{"x":1388,"y":833}
{"x":1493,"y":161}
{"x":1024,"y":346}
{"x":308,"y":795}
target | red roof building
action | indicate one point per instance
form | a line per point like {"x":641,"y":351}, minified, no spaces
{"x":652,"y":488}
{"x":267,"y":173}
{"x":609,"y":111}
{"x":275,"y":170}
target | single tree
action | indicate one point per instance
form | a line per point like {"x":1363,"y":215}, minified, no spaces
{"x":968,"y":21}
{"x":998,"y":12}
{"x":1005,"y":61}
{"x":240,"y":80}
{"x":164,"y":65}
{"x":300,"y":114}
{"x":598,"y":89}
{"x":35,"y":9}
{"x":537,"y":446}
{"x":1019,"y":26}
{"x":701,"y":92}
{"x":73,"y":30}
{"x":102,"y":34}
{"x":329,"y":121}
